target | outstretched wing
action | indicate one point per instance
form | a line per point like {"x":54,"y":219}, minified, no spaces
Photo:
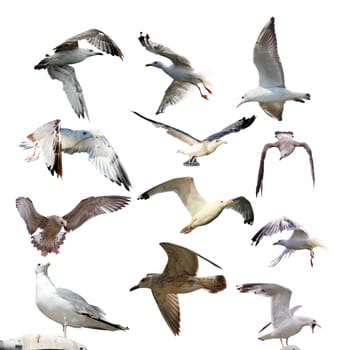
{"x":161,"y":50}
{"x":309,"y":152}
{"x":184,"y":187}
{"x":234,"y":127}
{"x":93,"y":206}
{"x":179,"y":134}
{"x":242,"y":206}
{"x":66,"y":75}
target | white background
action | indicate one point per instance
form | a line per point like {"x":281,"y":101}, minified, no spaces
{"x":109,"y":254}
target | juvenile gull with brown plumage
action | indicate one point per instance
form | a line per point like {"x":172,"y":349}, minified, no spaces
{"x":286,"y":145}
{"x":51,"y":236}
{"x":69,"y":52}
{"x":202,"y":212}
{"x":179,"y":276}
{"x":181,"y":70}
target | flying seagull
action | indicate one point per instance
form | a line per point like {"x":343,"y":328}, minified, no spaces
{"x":66,"y":307}
{"x":51,"y":236}
{"x":284,"y":323}
{"x":200,"y":148}
{"x":271,"y":92}
{"x":180,"y":71}
{"x":52,"y":140}
{"x":179,"y":276}
{"x":202,"y":212}
{"x":297,"y":241}
{"x":286,"y":145}
{"x":67,"y":53}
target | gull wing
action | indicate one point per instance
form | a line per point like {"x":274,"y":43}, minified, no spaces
{"x":173,"y":94}
{"x":168,"y":305}
{"x":309,"y":152}
{"x":66,"y":75}
{"x":285,"y":253}
{"x":161,"y":50}
{"x":182,"y":260}
{"x":184,"y":187}
{"x":234,"y":127}
{"x":94,"y":37}
{"x":266,"y":57}
{"x":280,"y":299}
{"x":101,"y":154}
{"x":259,"y":184}
{"x":242,"y":206}
{"x":179,"y":134}
{"x":275,"y":226}
{"x":48,"y":139}
{"x":273,"y":109}
{"x":31,"y":217}
{"x":91,"y":207}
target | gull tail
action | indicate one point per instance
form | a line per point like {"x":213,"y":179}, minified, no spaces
{"x":26,"y":144}
{"x":214,"y":284}
{"x":102,"y":324}
{"x":47,"y":246}
{"x":265,"y":337}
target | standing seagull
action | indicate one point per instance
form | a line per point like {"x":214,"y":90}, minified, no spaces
{"x":200,"y":148}
{"x":180,"y":70}
{"x":297,"y":241}
{"x":58,"y":64}
{"x":202,"y":212}
{"x":286,"y":145}
{"x":271,"y":92}
{"x":52,"y":140}
{"x":66,"y":307}
{"x":179,"y":276}
{"x":283,"y":321}
{"x":51,"y":237}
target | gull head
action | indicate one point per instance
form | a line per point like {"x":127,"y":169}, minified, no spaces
{"x":146,"y":282}
{"x":307,"y":321}
{"x":156,"y":64}
{"x":42,"y":268}
{"x":90,"y":52}
{"x":245,"y":98}
{"x":213,"y":145}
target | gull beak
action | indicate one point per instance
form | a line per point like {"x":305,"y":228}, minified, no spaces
{"x":148,"y":65}
{"x":133,"y":288}
{"x":48,"y":264}
{"x":239,"y":104}
{"x":314,"y":324}
{"x":275,"y":243}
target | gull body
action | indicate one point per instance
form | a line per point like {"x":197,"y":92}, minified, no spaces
{"x":202,"y":212}
{"x":200,"y":148}
{"x":286,"y":145}
{"x":299,"y":239}
{"x":271,"y":92}
{"x":67,"y":53}
{"x":54,"y":227}
{"x":52,"y":140}
{"x":285,"y":324}
{"x":66,"y":307}
{"x":180,"y":71}
{"x":179,"y":276}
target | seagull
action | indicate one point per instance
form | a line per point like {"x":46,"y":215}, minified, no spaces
{"x":51,"y":237}
{"x":58,"y":64}
{"x":179,"y":276}
{"x":271,"y":92}
{"x":297,"y":241}
{"x":200,"y":148}
{"x":66,"y":307}
{"x":180,"y":70}
{"x":52,"y":140}
{"x":202,"y":212}
{"x":286,"y":146}
{"x":285,"y":324}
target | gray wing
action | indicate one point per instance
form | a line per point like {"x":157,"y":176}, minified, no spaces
{"x":285,"y":254}
{"x":31,"y":217}
{"x":93,"y":206}
{"x":266,"y":57}
{"x":275,"y":226}
{"x":182,"y":260}
{"x":161,"y":50}
{"x":173,"y":94}
{"x":94,"y":37}
{"x":101,"y":154}
{"x":242,"y":206}
{"x":309,"y":152}
{"x":179,"y":134}
{"x":259,"y":184}
{"x":273,"y":109}
{"x":184,"y":187}
{"x":234,"y":127}
{"x":81,"y":306}
{"x":66,"y":75}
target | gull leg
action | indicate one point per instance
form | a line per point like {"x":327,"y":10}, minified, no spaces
{"x":33,"y":156}
{"x":206,"y":87}
{"x":65,"y":328}
{"x":187,"y":229}
{"x":312,"y":254}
